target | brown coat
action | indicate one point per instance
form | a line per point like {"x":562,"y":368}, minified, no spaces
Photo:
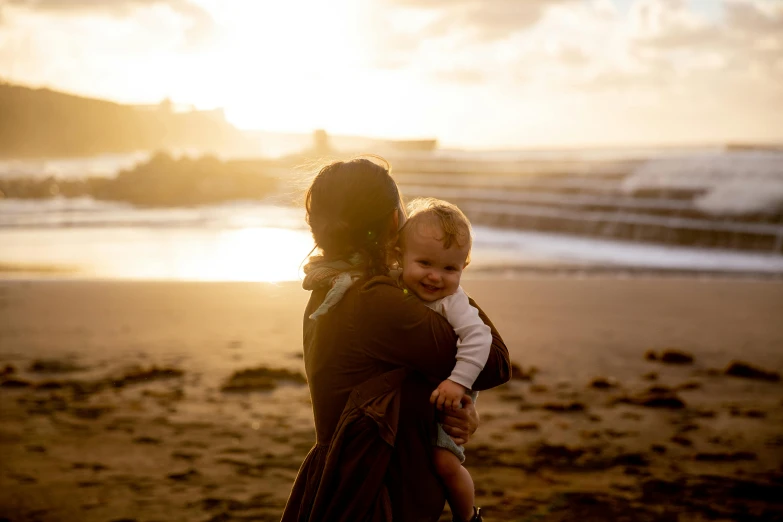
{"x":372,"y":362}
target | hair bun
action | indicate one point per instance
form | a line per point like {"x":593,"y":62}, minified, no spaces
{"x":337,"y":227}
{"x":332,"y":235}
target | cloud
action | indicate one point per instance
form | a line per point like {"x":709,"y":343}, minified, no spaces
{"x":657,"y":69}
{"x":666,"y":56}
{"x":572,"y":56}
{"x":486,"y":20}
{"x":461,"y":76}
{"x":655,"y":38}
{"x":470,"y":41}
{"x":748,"y":39}
{"x":670,"y":24}
{"x":65,"y":6}
{"x":199,"y":28}
{"x":760,"y":19}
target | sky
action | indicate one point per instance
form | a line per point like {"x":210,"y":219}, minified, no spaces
{"x":489,"y":74}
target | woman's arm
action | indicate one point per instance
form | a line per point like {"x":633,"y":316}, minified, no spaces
{"x":398,"y":329}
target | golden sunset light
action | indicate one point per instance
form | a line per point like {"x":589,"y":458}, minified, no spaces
{"x":391,"y":260}
{"x":473,"y":75}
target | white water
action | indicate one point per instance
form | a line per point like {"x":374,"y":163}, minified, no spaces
{"x":265,"y":242}
{"x":734,"y":183}
{"x":104,"y":165}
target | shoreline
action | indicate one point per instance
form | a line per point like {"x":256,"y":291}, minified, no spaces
{"x":56,"y":272}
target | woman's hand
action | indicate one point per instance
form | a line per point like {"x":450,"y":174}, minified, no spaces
{"x":461,"y":424}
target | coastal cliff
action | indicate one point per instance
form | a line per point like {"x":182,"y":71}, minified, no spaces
{"x":47,"y":123}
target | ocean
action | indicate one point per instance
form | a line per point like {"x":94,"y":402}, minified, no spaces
{"x":269,"y":241}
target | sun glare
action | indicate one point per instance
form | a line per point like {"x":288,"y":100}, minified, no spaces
{"x":282,"y":60}
{"x":253,"y":254}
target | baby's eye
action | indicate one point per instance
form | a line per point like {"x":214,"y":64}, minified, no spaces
{"x":451,"y":268}
{"x":424,"y":263}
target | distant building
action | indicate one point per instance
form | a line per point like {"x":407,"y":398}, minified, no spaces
{"x":426,"y":145}
{"x":168,"y":107}
{"x":321,"y":142}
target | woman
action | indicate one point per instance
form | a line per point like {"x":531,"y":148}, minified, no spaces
{"x":372,"y":356}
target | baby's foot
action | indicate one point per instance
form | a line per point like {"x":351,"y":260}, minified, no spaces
{"x":475,"y":518}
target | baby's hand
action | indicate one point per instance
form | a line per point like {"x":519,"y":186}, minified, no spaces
{"x":448,"y":395}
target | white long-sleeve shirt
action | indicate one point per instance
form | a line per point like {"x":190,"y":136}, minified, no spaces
{"x":475,"y":338}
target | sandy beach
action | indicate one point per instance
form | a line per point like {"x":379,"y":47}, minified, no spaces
{"x":117,"y":404}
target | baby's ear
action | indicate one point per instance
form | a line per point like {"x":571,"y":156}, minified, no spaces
{"x":398,"y":256}
{"x":466,"y":264}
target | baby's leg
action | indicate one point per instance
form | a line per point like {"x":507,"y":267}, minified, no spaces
{"x":458,"y":482}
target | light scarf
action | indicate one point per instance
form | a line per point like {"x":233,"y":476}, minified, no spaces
{"x":340,"y":275}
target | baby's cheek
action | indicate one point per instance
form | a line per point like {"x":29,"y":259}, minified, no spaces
{"x":408,"y":278}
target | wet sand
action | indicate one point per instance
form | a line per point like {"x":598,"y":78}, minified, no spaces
{"x":114,"y":404}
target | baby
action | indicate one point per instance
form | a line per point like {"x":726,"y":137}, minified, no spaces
{"x":433,"y":250}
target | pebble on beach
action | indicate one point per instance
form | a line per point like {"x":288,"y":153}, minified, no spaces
{"x":748,"y":371}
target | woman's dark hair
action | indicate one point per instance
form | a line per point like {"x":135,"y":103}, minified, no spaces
{"x":349,"y":208}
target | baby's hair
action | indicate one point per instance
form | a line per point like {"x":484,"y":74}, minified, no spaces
{"x":447,"y":217}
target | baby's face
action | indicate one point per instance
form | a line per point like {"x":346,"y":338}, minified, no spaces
{"x":429,"y":270}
